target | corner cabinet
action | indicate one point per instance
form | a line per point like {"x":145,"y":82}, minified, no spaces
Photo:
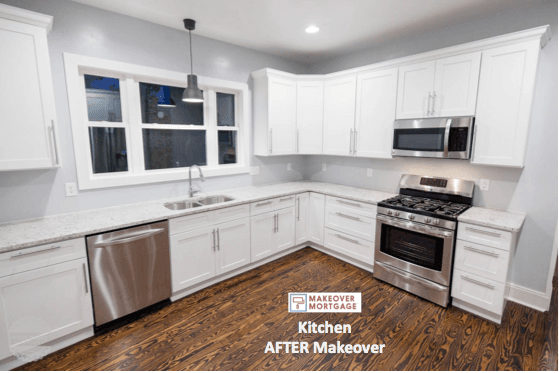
{"x":28,"y":138}
{"x":310,"y":107}
{"x":339,"y":115}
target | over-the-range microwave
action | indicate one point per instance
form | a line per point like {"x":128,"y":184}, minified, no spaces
{"x":433,"y":137}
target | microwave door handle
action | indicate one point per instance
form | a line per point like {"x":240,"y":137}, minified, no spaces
{"x":447,"y":137}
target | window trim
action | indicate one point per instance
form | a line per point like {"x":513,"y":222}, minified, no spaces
{"x":130,"y":75}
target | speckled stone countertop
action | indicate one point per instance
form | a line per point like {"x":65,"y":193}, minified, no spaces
{"x":28,"y":233}
{"x":505,"y":220}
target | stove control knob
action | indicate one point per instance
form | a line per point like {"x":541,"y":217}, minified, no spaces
{"x":427,"y":220}
{"x":396,"y":213}
{"x":389,"y":212}
{"x":411,"y":217}
{"x":436,"y":221}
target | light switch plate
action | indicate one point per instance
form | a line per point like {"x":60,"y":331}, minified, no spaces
{"x":324,"y":167}
{"x":71,"y":189}
{"x":289,"y":167}
{"x":484,"y":184}
{"x":255,"y":170}
{"x":369,"y":172}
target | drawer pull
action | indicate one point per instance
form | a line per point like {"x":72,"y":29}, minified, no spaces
{"x":347,"y":239}
{"x":348,"y":216}
{"x":349,"y":203}
{"x":490,"y":253}
{"x":483,"y":232}
{"x":263,"y":203}
{"x":478,"y":282}
{"x":285,"y":199}
{"x":28,"y":252}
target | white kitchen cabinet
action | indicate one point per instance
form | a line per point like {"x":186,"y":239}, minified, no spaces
{"x":375,"y":113}
{"x":439,"y":88}
{"x":351,"y":246}
{"x":233,"y":245}
{"x":302,"y":218}
{"x":272,"y":232}
{"x":310,"y":107}
{"x":29,"y":139}
{"x":339,"y":115}
{"x":41,"y":305}
{"x":506,"y":88}
{"x":317,"y":203}
{"x":275,"y":115}
{"x":285,"y":229}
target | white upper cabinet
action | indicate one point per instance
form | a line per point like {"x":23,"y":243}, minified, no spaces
{"x":376,"y":109}
{"x":310,"y":107}
{"x":28,"y":138}
{"x":506,"y":87}
{"x":439,"y":88}
{"x":339,"y":116}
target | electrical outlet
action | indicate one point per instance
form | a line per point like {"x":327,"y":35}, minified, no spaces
{"x":484,"y":184}
{"x":71,"y":189}
{"x":289,"y":167}
{"x":255,"y":170}
{"x":369,"y":172}
{"x":324,"y":167}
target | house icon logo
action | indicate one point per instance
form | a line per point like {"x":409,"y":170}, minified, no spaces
{"x":297,"y":302}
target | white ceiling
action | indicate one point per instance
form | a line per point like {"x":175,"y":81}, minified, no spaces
{"x":278,"y":26}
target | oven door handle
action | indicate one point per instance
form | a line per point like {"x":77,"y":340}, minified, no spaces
{"x":409,"y":276}
{"x":416,"y":227}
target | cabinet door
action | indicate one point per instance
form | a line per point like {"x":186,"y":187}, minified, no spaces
{"x":316,"y":217}
{"x":26,"y":98}
{"x":376,"y":111}
{"x":192,"y":257}
{"x":285,"y":229}
{"x":506,"y":87}
{"x":302,"y":218}
{"x":233,"y":245}
{"x":282,"y":112}
{"x":262,"y":232}
{"x":339,"y":116}
{"x":310,"y":107}
{"x":44,"y":304}
{"x":415,"y":82}
{"x":455,"y":89}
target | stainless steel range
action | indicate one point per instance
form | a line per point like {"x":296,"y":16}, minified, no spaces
{"x":415,"y":235}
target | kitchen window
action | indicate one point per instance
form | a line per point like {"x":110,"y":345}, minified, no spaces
{"x":130,"y":125}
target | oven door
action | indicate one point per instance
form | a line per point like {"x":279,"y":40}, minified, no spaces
{"x":416,"y":248}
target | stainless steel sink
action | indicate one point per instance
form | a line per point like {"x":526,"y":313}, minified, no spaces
{"x":183,"y":205}
{"x":214,"y":199}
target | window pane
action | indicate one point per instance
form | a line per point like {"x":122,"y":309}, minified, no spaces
{"x":225,"y":109}
{"x":163,"y":104}
{"x":227,"y":141}
{"x":103,"y":98}
{"x":108,"y":149}
{"x":173,"y":148}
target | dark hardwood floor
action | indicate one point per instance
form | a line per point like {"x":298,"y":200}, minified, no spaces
{"x":227,"y":326}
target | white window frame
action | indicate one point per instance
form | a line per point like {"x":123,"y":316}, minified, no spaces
{"x":130,"y":75}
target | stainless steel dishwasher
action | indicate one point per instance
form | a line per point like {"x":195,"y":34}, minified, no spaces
{"x":130,"y":270}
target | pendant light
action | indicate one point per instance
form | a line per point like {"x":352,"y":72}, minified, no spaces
{"x":191,"y":93}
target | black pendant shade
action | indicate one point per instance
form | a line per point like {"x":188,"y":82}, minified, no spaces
{"x":191,"y":93}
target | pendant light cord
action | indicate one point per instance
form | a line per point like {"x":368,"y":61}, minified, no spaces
{"x":190,"y":37}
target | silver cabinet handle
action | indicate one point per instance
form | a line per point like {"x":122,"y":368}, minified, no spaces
{"x":354,"y":142}
{"x":264,"y":203}
{"x":218,"y":238}
{"x":29,"y":252}
{"x":490,"y":253}
{"x":286,"y":198}
{"x":298,"y":207}
{"x":478,"y":282}
{"x":350,"y":140}
{"x":348,"y":216}
{"x":433,"y":103}
{"x":271,"y":141}
{"x":484,"y":232}
{"x":275,"y":223}
{"x":134,"y":237}
{"x":85,"y":278}
{"x":349,"y":203}
{"x":429,"y":104}
{"x":54,"y":142}
{"x":213,"y":239}
{"x":347,"y":239}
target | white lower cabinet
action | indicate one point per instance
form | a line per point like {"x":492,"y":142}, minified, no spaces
{"x":233,"y":245}
{"x":302,"y":218}
{"x":272,"y":232}
{"x":316,"y":218}
{"x":356,"y":248}
{"x":41,"y":305}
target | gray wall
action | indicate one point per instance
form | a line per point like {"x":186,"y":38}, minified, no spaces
{"x":94,"y":32}
{"x":532,"y":190}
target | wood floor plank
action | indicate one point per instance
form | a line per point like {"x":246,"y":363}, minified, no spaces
{"x":227,"y":326}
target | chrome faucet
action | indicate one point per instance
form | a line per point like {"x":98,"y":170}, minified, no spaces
{"x":191,"y":190}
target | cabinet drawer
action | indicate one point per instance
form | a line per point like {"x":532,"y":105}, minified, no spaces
{"x":41,"y":256}
{"x":283,"y":202}
{"x":190,"y":222}
{"x":485,"y":236}
{"x":479,"y":291}
{"x":271,"y":204}
{"x":231,"y":213}
{"x":353,"y":247}
{"x":482,"y":260}
{"x":359,"y":208}
{"x":346,"y":221}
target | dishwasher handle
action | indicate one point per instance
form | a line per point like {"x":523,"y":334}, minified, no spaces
{"x":133,"y":237}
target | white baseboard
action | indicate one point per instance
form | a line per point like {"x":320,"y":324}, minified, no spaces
{"x":527,"y":297}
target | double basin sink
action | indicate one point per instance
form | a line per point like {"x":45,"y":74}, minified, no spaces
{"x":211,"y":200}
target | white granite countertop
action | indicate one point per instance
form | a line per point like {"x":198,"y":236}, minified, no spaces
{"x":505,"y":220}
{"x":28,"y":233}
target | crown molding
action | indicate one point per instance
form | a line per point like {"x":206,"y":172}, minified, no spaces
{"x":26,"y":16}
